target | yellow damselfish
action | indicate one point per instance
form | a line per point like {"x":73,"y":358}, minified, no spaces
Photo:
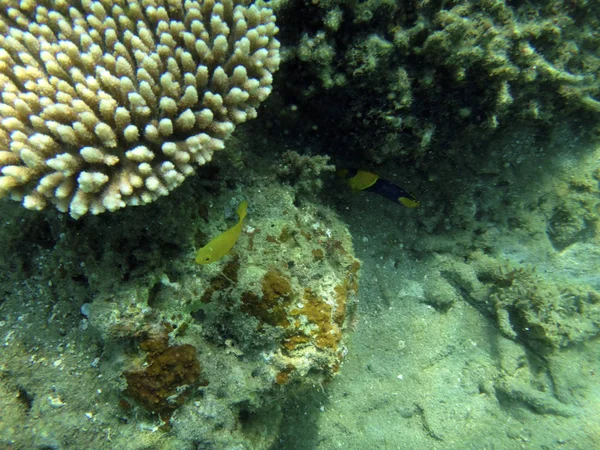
{"x":223,"y":243}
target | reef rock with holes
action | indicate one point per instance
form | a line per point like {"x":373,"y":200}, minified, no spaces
{"x":211,"y":351}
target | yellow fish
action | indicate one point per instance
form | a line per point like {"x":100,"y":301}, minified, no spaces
{"x":361,"y":180}
{"x":223,"y":243}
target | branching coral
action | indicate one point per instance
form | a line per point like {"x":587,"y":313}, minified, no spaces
{"x":113,"y":103}
{"x":303,"y":171}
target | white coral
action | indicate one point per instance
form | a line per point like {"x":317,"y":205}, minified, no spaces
{"x":108,"y":103}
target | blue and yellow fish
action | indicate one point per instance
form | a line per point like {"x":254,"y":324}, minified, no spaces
{"x":224,"y":242}
{"x":361,"y":180}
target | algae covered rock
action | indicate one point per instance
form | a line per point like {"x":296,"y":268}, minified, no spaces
{"x":188,"y":355}
{"x":416,"y":76}
{"x":288,"y":289}
{"x":229,"y":335}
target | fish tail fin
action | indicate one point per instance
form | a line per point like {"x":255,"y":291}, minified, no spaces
{"x":242,"y":210}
